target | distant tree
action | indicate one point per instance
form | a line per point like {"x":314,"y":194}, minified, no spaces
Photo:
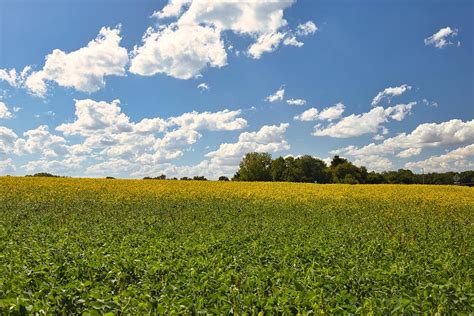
{"x":349,"y":179}
{"x":311,"y":169}
{"x":293,"y":172}
{"x":185,"y":178}
{"x":161,"y":177}
{"x":255,"y":167}
{"x":174,"y":178}
{"x":337,"y":161}
{"x":375,"y":178}
{"x":466,"y":177}
{"x":199,"y":178}
{"x":223,"y":178}
{"x":110,"y":178}
{"x":341,"y":170}
{"x":45,"y":174}
{"x":278,"y":169}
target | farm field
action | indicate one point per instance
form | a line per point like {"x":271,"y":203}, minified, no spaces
{"x":95,"y":246}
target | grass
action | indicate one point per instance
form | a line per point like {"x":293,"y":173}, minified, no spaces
{"x":97,"y":246}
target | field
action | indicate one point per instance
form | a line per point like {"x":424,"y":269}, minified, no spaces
{"x":160,"y":247}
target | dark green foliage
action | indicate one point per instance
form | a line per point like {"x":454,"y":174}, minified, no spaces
{"x":199,"y":178}
{"x":260,"y":167}
{"x":223,"y":178}
{"x":255,"y":167}
{"x":43,"y":174}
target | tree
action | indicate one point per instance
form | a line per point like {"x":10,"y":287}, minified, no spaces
{"x":185,"y":178}
{"x":278,"y":169}
{"x":199,"y":178}
{"x":341,"y":170}
{"x":255,"y":167}
{"x":223,"y":178}
{"x":311,"y":169}
{"x":336,"y":161}
{"x":293,"y":173}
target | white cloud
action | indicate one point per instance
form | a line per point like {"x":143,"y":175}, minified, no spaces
{"x":459,"y":159}
{"x":327,"y":114}
{"x":214,"y":121}
{"x":203,"y":86}
{"x":307,"y":28}
{"x":114,"y":140}
{"x":41,"y":141}
{"x":441,"y":38}
{"x":93,"y":117}
{"x":365,"y":123}
{"x":296,"y":102}
{"x":4,"y":112}
{"x":7,"y":139}
{"x":64,"y":166}
{"x":267,"y":139}
{"x":292,"y":41}
{"x":265,"y":43}
{"x":172,"y":9}
{"x":308,"y":115}
{"x":85,"y":68}
{"x":241,"y":17}
{"x":410,"y":152}
{"x":193,"y":42}
{"x":13,"y":78}
{"x":400,"y":111}
{"x":332,"y":113}
{"x":374,"y":163}
{"x":390,"y":92}
{"x":180,"y":51}
{"x":432,"y":135}
{"x":6,"y":166}
{"x":277,"y":96}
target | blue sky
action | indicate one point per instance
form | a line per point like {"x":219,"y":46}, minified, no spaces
{"x":387,"y":84}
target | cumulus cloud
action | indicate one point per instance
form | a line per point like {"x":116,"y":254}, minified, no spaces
{"x":180,"y":51}
{"x":327,"y":114}
{"x":7,"y":166}
{"x":374,"y":163}
{"x":307,"y":28}
{"x":213,"y":121}
{"x":14,"y":78}
{"x":84,"y":69}
{"x":390,"y":92}
{"x":203,"y":86}
{"x":41,"y":141}
{"x":267,"y":139}
{"x":427,"y":135}
{"x":277,"y":96}
{"x":137,"y":147}
{"x":359,"y":124}
{"x":310,"y":114}
{"x":296,"y":102}
{"x":193,"y":41}
{"x":265,"y":43}
{"x":441,"y":38}
{"x":7,"y":140}
{"x":4,"y":112}
{"x":292,"y":41}
{"x":409,"y":152}
{"x":459,"y":159}
{"x":332,"y":113}
{"x":55,"y":166}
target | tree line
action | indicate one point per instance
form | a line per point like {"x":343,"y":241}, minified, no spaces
{"x":261,"y":167}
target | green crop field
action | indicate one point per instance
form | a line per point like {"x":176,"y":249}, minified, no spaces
{"x":166,"y":247}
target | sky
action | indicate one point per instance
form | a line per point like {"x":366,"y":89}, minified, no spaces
{"x":134,"y":88}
